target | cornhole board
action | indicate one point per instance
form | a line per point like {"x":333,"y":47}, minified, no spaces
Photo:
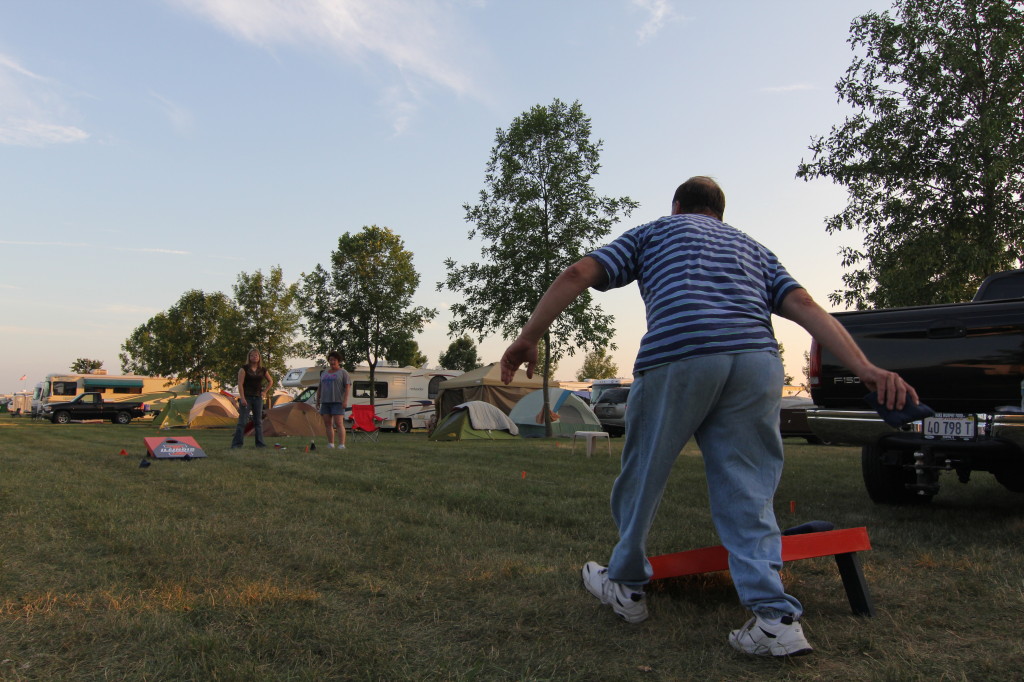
{"x":842,"y":544}
{"x":181,"y":447}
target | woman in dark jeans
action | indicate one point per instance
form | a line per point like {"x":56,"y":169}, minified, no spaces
{"x":254,"y":384}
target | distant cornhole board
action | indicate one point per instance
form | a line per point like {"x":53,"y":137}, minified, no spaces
{"x":182,"y":447}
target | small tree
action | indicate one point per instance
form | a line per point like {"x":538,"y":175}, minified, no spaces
{"x":537,"y":214}
{"x":363,"y":306}
{"x":185,"y":342}
{"x":597,"y":365}
{"x":787,"y":378}
{"x":85,"y":365}
{"x":267,"y":320}
{"x":407,"y":352}
{"x":461,"y":354}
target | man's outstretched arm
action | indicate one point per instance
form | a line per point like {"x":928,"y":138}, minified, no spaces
{"x":572,"y":282}
{"x":799,"y":307}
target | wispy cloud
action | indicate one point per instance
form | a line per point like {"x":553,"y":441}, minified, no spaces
{"x":659,"y":12}
{"x":80,"y":245}
{"x":795,"y":87}
{"x":181,"y":119}
{"x":419,"y":38}
{"x":31,"y":108}
{"x":173,"y":252}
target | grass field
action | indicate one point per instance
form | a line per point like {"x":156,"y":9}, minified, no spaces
{"x":412,"y":560}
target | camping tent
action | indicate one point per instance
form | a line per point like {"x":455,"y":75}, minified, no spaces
{"x":212,"y":410}
{"x":474,"y":420}
{"x":484,"y":384}
{"x":174,"y":413}
{"x":291,"y":419}
{"x":569,"y":414}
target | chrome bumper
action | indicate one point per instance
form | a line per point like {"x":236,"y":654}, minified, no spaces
{"x":865,"y":427}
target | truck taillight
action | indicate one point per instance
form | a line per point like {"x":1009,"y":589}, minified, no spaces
{"x":814,"y":365}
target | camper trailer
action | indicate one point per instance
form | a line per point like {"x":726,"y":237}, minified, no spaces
{"x":403,"y":396}
{"x":56,"y":388}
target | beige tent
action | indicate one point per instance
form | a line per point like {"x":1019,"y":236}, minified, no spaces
{"x":212,"y":410}
{"x":291,"y":419}
{"x":484,"y":384}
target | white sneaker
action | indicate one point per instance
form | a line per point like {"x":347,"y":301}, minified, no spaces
{"x":629,"y":604}
{"x":762,"y":638}
{"x":341,"y":447}
{"x":330,"y":445}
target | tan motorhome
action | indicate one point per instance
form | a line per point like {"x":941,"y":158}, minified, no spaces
{"x":62,"y":387}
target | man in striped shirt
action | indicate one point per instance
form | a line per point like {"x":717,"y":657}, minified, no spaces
{"x":708,"y":367}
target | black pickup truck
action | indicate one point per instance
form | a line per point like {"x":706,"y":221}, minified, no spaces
{"x":966,"y":361}
{"x":92,"y":406}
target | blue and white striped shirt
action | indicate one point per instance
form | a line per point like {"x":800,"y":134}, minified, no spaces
{"x":708,"y":288}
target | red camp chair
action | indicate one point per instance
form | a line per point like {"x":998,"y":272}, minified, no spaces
{"x":364,"y":422}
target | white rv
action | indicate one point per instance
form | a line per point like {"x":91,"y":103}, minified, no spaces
{"x":403,"y":396}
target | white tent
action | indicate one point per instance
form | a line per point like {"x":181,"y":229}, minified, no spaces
{"x":569,"y":414}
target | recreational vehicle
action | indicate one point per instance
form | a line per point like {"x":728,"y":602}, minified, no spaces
{"x":403,"y":396}
{"x":56,"y":388}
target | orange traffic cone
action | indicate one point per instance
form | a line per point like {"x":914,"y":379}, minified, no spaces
{"x":124,"y":453}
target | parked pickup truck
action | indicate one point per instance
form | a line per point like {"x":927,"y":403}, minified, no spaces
{"x":966,"y":361}
{"x":92,"y":406}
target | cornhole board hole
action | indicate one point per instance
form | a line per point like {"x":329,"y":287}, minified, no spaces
{"x":182,"y":447}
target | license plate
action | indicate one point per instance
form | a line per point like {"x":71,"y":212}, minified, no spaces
{"x":950,"y":426}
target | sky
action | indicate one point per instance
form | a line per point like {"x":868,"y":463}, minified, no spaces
{"x":149,"y":147}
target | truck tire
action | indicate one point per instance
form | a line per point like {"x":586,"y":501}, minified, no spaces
{"x":122,"y":417}
{"x":403,"y":425}
{"x":887,"y":483}
{"x":61,"y":417}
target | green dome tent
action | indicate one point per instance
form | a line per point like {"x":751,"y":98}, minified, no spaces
{"x":474,"y":420}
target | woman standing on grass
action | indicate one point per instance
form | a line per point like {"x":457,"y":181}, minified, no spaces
{"x":332,"y":398}
{"x":254,"y":384}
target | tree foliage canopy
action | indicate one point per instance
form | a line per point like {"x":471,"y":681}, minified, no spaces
{"x":461,"y":354}
{"x":537,"y":214}
{"x":933,"y":157}
{"x":597,"y":365}
{"x":363,"y":307}
{"x":185,"y":342}
{"x":85,"y":365}
{"x":267,"y":320}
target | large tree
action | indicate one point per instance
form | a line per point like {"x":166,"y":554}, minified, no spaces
{"x":537,"y":214}
{"x":363,"y":305}
{"x":933,"y":155}
{"x":267,"y":319}
{"x":461,"y":354}
{"x":597,"y":364}
{"x":185,"y":342}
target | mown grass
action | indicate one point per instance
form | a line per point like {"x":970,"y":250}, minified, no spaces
{"x":412,"y":560}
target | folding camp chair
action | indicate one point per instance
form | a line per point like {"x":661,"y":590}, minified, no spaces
{"x":364,"y":422}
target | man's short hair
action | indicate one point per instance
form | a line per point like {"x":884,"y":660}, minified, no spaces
{"x":701,"y":194}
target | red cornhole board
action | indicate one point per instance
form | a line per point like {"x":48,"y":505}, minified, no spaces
{"x":182,"y":447}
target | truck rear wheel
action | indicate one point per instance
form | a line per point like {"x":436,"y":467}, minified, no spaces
{"x":1012,"y":479}
{"x":887,"y":483}
{"x":122,"y":417}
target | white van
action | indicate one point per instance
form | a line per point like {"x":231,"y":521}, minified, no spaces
{"x":599,"y":386}
{"x":403,"y":396}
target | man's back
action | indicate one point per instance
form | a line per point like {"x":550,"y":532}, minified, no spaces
{"x":708,"y":288}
